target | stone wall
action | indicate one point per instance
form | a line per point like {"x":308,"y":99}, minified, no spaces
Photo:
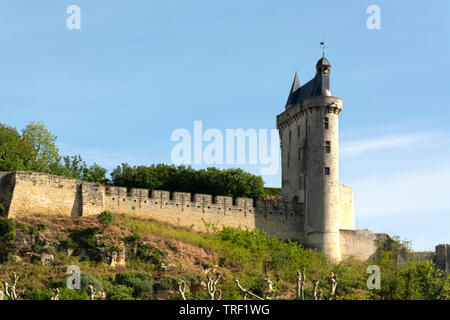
{"x":443,"y":257}
{"x":346,"y":208}
{"x":43,"y":193}
{"x":47,"y":194}
{"x":27,"y":192}
{"x":420,"y":256}
{"x":361,"y":244}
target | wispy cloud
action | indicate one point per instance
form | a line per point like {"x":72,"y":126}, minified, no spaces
{"x":400,"y":184}
{"x":414,"y":205}
{"x":397,"y":141}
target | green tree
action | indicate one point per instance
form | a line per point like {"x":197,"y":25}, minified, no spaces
{"x":75,"y":167}
{"x":94,"y":173}
{"x":44,"y":156}
{"x":230,"y":182}
{"x":13,"y":150}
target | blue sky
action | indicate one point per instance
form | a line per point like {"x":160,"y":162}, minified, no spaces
{"x":115,"y":90}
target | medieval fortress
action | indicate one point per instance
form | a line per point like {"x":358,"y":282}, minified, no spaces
{"x":315,"y":209}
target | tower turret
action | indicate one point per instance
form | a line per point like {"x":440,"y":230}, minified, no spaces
{"x":309,"y":138}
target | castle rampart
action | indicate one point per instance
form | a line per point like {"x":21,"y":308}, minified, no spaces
{"x":29,"y":192}
{"x":25,"y":193}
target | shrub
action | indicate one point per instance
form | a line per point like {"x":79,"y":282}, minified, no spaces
{"x":193,"y":279}
{"x":88,"y":279}
{"x":82,"y":240}
{"x":150,"y":253}
{"x":2,"y":209}
{"x":84,"y":237}
{"x":30,"y":229}
{"x":39,"y":294}
{"x":165,"y":284}
{"x":142,"y":289}
{"x":140,"y":283}
{"x":7,"y":229}
{"x":119,"y":292}
{"x":133,"y":239}
{"x":72,"y":294}
{"x":106,"y":218}
{"x":68,"y":244}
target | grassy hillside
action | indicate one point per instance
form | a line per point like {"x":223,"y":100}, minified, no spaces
{"x":159,"y":255}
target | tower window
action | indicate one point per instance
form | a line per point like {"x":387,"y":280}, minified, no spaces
{"x":325,"y":123}
{"x":298,"y":131}
{"x":300,"y":183}
{"x":327,"y":146}
{"x":288,"y":156}
{"x":327,"y":171}
{"x":299,"y":153}
{"x":290,"y":135}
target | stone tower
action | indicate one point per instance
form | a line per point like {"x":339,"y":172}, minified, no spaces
{"x":308,"y":131}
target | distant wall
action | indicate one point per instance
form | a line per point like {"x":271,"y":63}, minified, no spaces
{"x":48,"y":194}
{"x":346,"y":208}
{"x":361,"y":244}
{"x":443,"y":257}
{"x":423,"y":255}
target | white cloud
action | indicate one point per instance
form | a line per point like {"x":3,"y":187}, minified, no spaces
{"x":399,"y":141}
{"x":401,"y":185}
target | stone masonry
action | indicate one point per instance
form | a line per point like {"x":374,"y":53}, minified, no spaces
{"x":315,"y":208}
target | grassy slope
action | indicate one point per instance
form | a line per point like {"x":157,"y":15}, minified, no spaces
{"x":235,"y":252}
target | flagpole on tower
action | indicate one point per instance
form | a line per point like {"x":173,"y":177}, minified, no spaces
{"x":323,"y":46}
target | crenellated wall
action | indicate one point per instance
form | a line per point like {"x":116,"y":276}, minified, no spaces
{"x":42,"y":193}
{"x":28,"y":192}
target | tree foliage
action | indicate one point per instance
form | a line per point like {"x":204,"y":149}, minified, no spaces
{"x":14,"y":150}
{"x":43,"y":155}
{"x":75,"y":167}
{"x":230,"y":182}
{"x":35,"y":150}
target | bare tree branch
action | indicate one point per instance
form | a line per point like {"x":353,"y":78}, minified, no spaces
{"x":245,"y":292}
{"x":334,"y":282}
{"x":182,"y":288}
{"x":315,"y":291}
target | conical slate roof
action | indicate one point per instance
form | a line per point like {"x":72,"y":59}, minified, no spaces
{"x":318,"y":86}
{"x":294,"y":89}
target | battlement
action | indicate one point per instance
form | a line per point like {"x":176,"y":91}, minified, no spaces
{"x":119,"y":199}
{"x":294,"y":112}
{"x":30,"y":192}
